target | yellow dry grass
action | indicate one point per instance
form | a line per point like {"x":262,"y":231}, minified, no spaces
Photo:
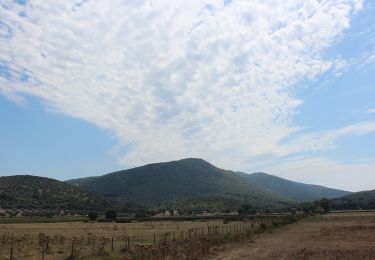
{"x":333,"y":236}
{"x":27,"y":245}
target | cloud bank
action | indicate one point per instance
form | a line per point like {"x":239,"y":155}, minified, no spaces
{"x":173,"y":79}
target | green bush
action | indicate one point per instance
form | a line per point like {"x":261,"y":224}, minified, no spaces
{"x":92,"y":215}
{"x":123,"y":220}
{"x":111,"y":214}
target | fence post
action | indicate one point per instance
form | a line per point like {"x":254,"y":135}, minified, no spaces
{"x":11,"y":253}
{"x":43,"y":249}
{"x":112,"y":245}
{"x":93,"y":247}
{"x":72,"y":249}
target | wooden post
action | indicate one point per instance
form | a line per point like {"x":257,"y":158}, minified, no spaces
{"x":93,"y":246}
{"x":112,"y":245}
{"x":43,"y":249}
{"x":154,"y":239}
{"x":11,"y":253}
{"x":72,"y":249}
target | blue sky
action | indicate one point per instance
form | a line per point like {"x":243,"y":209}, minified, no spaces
{"x":285,"y":88}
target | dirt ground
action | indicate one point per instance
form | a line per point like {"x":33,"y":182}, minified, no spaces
{"x":333,"y":236}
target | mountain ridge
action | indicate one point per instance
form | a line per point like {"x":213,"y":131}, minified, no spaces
{"x":168,"y":181}
{"x":298,"y":191}
{"x":362,"y":200}
{"x":42,"y":193}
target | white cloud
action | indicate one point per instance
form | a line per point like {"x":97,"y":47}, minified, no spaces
{"x":324,"y":140}
{"x":331,"y":173}
{"x":371,"y":110}
{"x":174,"y":78}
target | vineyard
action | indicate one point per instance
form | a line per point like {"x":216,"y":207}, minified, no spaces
{"x":143,"y":240}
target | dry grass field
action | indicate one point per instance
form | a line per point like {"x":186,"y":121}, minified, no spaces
{"x":112,"y":240}
{"x":333,"y":236}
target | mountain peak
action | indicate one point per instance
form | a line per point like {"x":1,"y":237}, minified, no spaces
{"x":170,"y":181}
{"x":190,"y":160}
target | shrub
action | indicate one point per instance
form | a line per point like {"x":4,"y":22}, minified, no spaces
{"x":123,"y":220}
{"x":319,"y":210}
{"x":246,"y":209}
{"x":93,"y":215}
{"x":111,"y":214}
{"x":263,"y":226}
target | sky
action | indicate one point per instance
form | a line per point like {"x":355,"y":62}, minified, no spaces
{"x":283,"y":87}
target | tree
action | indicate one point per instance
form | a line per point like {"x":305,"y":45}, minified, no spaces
{"x":111,"y":214}
{"x":308,"y":207}
{"x":246,"y":209}
{"x":93,"y":215}
{"x":325,"y":204}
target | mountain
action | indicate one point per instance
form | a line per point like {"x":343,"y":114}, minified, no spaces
{"x":39,"y":193}
{"x":359,"y":200}
{"x":185,"y":179}
{"x":293,"y":190}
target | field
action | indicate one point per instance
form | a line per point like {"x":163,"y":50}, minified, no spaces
{"x":143,"y":240}
{"x":333,"y":236}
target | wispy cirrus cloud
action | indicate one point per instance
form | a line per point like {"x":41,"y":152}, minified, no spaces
{"x":173,"y":79}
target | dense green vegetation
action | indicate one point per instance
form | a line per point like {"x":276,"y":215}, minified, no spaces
{"x":360,"y":200}
{"x":185,"y":180}
{"x":191,"y":186}
{"x":293,"y":190}
{"x":220,"y":203}
{"x":321,"y":206}
{"x":38,"y":193}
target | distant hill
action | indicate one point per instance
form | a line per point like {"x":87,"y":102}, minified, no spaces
{"x":359,"y":200}
{"x":39,"y":193}
{"x":293,"y":190}
{"x":185,"y":179}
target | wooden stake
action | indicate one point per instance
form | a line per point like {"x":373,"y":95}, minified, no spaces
{"x":11,"y":253}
